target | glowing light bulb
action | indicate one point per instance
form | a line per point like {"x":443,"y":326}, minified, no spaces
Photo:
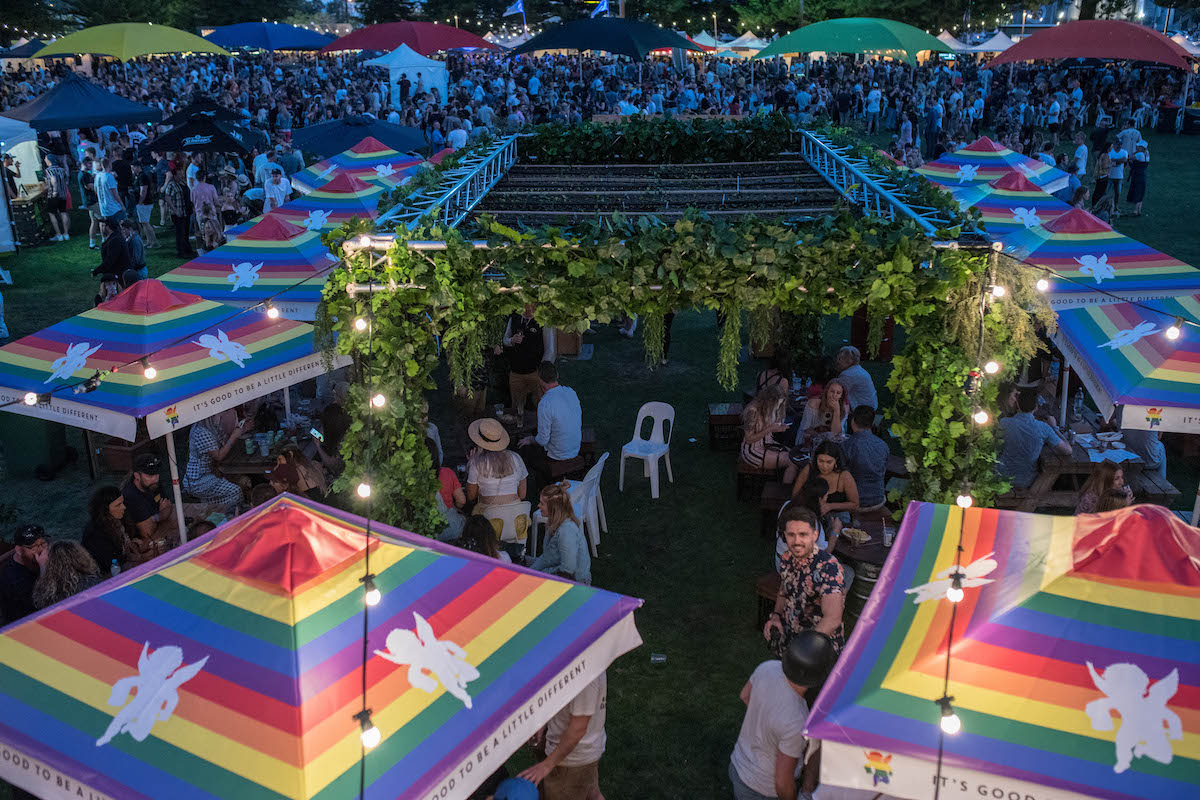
{"x":360,"y":324}
{"x":364,"y":490}
{"x":371,"y":736}
{"x":964,"y":500}
{"x":272,"y":312}
{"x":980,"y":417}
{"x":150,"y":372}
{"x":1043,"y":285}
{"x":955,"y":593}
{"x":372,"y":595}
{"x":1173,"y":332}
{"x":999,"y":291}
{"x":950,"y":723}
{"x":31,"y":398}
{"x":991,"y":367}
{"x":378,"y":401}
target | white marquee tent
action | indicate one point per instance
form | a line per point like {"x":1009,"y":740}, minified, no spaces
{"x":406,"y":61}
{"x":747,"y":41}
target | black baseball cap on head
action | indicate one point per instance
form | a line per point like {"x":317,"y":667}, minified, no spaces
{"x":27,"y":535}
{"x":147,"y":464}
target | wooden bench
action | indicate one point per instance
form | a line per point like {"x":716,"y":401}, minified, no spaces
{"x":1012,"y":500}
{"x":724,"y":426}
{"x":766,"y":589}
{"x":774,"y":495}
{"x":1149,"y":487}
{"x":752,"y":480}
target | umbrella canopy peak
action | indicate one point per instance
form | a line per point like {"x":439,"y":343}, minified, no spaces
{"x":609,"y":34}
{"x":128,"y":40}
{"x":1098,"y":38}
{"x":856,"y":35}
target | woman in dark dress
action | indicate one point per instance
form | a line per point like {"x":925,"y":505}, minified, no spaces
{"x":104,"y":535}
{"x":1138,"y":164}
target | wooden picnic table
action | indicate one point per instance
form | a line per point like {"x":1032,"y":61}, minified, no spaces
{"x":238,"y":463}
{"x":1053,"y":466}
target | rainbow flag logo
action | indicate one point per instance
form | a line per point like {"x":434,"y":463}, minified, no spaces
{"x":172,"y":416}
{"x":1154,"y":417}
{"x":879,"y":767}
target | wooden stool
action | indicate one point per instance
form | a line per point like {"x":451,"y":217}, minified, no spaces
{"x":774,"y":495}
{"x":751,"y":480}
{"x":766,"y":589}
{"x":724,"y":426}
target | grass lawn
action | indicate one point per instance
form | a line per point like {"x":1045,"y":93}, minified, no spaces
{"x":693,"y":555}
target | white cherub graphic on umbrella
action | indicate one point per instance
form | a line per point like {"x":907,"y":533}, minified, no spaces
{"x":74,"y":360}
{"x":316,"y":219}
{"x":1026,"y":216}
{"x":384,"y":170}
{"x":972,"y":576}
{"x":220,"y":348}
{"x":1146,"y":722}
{"x":1128,"y":337}
{"x":156,"y":692}
{"x":423,"y":653}
{"x":244,"y":275}
{"x":966,"y":173}
{"x":1098,"y":268}
{"x":1027,"y":171}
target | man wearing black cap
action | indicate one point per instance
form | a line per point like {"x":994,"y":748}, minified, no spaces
{"x":771,"y":742}
{"x":21,"y":572}
{"x":146,"y":509}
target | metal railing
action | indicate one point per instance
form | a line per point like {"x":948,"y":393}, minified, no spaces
{"x":852,"y":179}
{"x":458,"y":192}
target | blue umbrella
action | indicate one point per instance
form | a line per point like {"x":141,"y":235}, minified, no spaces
{"x":268,"y":36}
{"x":326,"y":138}
{"x":76,"y":102}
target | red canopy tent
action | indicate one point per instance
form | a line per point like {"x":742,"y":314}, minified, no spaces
{"x":424,"y":37}
{"x":1098,"y":38}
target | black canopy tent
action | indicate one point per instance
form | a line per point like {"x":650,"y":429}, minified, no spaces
{"x":204,"y":108}
{"x":24,"y":50}
{"x":203,"y":135}
{"x":76,"y":102}
{"x":610,"y":34}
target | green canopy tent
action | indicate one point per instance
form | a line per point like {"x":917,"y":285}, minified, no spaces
{"x":857,"y":35}
{"x":125,"y":41}
{"x":610,"y":34}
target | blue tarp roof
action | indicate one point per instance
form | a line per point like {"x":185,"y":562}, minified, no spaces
{"x":76,"y":102}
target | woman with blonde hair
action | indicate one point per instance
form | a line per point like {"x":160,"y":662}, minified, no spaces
{"x":762,"y":418}
{"x":565,"y":551}
{"x":495,"y":475}
{"x":1107,"y":476}
{"x":69,"y":570}
{"x":825,"y":414}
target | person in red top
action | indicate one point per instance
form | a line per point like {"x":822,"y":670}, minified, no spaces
{"x":452,"y":492}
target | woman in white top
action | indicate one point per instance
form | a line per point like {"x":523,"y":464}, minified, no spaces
{"x":495,"y":474}
{"x":825,"y":414}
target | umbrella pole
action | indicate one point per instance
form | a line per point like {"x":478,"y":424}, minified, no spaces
{"x":1063,"y":394}
{"x":170,"y":437}
{"x":287,"y":406}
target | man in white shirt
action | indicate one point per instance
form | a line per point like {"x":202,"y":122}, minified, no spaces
{"x":277,"y":191}
{"x":874,"y":98}
{"x":860,"y":389}
{"x":771,"y":742}
{"x":559,"y":426}
{"x":1081,"y":154}
{"x":1117,"y":156}
{"x":575,"y":741}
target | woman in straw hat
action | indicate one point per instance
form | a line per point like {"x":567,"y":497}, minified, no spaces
{"x":495,"y":474}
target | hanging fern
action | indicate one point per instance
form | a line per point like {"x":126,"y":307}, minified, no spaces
{"x":731,"y":347}
{"x":762,"y":326}
{"x":653,"y":330}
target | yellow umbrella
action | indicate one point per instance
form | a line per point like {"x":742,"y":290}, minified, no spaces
{"x":127,"y":40}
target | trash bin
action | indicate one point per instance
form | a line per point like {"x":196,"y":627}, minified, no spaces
{"x":29,"y":443}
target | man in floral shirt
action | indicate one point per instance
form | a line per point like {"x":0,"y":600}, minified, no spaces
{"x":812,"y":591}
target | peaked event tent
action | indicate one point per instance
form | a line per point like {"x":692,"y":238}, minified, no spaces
{"x":1098,"y":38}
{"x":426,"y":38}
{"x":128,"y":40}
{"x":1009,"y":204}
{"x":705,"y":39}
{"x":337,"y":201}
{"x":953,"y":42}
{"x":268,"y":36}
{"x":203,"y":135}
{"x":1084,"y":253}
{"x":205,"y":108}
{"x":25,"y":50}
{"x":983,"y":161}
{"x":405,"y":60}
{"x":857,"y":35}
{"x":76,"y":102}
{"x":370,"y":160}
{"x":213,"y":357}
{"x":261,"y":263}
{"x":1186,"y":44}
{"x":997,"y":44}
{"x":747,"y":41}
{"x":1065,"y":620}
{"x":608,"y":34}
{"x":326,"y":138}
{"x":467,"y":658}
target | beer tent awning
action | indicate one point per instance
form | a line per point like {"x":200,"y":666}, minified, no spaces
{"x":253,"y":637}
{"x":1075,"y":667}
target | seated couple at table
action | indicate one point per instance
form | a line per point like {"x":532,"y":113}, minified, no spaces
{"x":1022,"y":438}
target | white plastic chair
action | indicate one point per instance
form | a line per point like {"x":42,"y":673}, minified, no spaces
{"x":587,"y":504}
{"x":513,"y":519}
{"x":658,"y":446}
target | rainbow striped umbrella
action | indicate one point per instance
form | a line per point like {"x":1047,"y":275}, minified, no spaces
{"x":1009,"y":204}
{"x":208,"y":357}
{"x":983,"y":161}
{"x":265,"y":260}
{"x":336,"y":202}
{"x":1085,"y":254}
{"x":1123,"y":355}
{"x":253,"y":635}
{"x":370,"y":160}
{"x":1065,"y":621}
{"x":234,"y":231}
